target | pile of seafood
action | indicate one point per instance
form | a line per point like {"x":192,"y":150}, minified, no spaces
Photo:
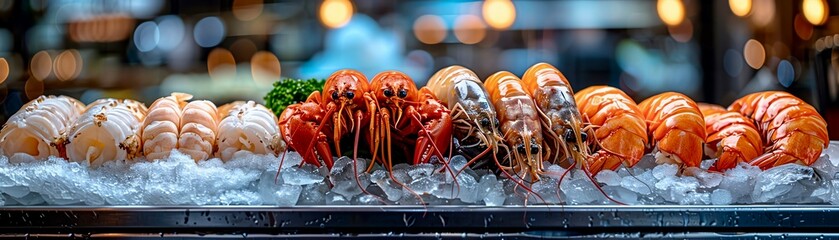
{"x":458,"y":140}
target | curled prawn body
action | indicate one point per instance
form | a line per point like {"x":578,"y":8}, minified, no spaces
{"x":520,"y":123}
{"x":474,"y":117}
{"x":560,"y":116}
{"x":731,"y":137}
{"x":792,"y":130}
{"x":676,"y":128}
{"x":620,"y":133}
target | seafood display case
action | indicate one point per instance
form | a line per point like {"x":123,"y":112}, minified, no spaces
{"x":421,"y":119}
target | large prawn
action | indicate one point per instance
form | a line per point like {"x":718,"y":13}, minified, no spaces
{"x":732,"y":137}
{"x":620,"y":134}
{"x":793,"y":130}
{"x":560,"y":117}
{"x":474,"y":120}
{"x":676,"y":128}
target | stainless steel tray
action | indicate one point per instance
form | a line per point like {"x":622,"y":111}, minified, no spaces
{"x":438,"y":221}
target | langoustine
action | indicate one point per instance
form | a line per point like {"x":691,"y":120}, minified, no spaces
{"x":620,"y":132}
{"x":173,"y":123}
{"x":731,"y":137}
{"x":676,"y":128}
{"x":792,"y":130}
{"x":474,"y":120}
{"x":247,"y":127}
{"x":520,"y":124}
{"x":108,"y":130}
{"x":560,"y":117}
{"x":39,"y":129}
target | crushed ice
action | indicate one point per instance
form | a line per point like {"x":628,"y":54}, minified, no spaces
{"x":253,"y":180}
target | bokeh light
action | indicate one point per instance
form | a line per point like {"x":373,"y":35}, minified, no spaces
{"x":499,"y":14}
{"x":336,"y":13}
{"x":172,"y":29}
{"x":754,"y":53}
{"x":469,"y":29}
{"x":247,"y":10}
{"x":815,"y":11}
{"x":740,"y":8}
{"x":763,"y":11}
{"x":671,"y":12}
{"x":219,"y":62}
{"x":146,"y":36}
{"x":732,"y":63}
{"x":803,"y":29}
{"x":265,"y":67}
{"x":33,"y":88}
{"x":41,"y":65}
{"x":68,"y":65}
{"x":243,"y":49}
{"x":4,"y":70}
{"x":430,"y":29}
{"x":786,"y":73}
{"x":209,"y":32}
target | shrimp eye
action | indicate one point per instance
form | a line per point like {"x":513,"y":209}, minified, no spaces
{"x":521,"y":149}
{"x":350,"y":95}
{"x":402,"y":93}
{"x":583,"y":136}
{"x":335,"y":95}
{"x":569,"y":136}
{"x":388,"y":93}
{"x":484,"y":122}
{"x":534,"y":149}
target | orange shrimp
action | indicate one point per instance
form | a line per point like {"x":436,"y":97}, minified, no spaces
{"x":520,"y":124}
{"x":676,"y":128}
{"x":560,"y":117}
{"x":793,"y":130}
{"x":732,"y":138}
{"x":620,"y":134}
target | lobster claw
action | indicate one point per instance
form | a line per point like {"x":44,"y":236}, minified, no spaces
{"x":299,"y":128}
{"x":436,"y":128}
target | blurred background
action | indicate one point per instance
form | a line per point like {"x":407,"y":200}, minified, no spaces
{"x":713,"y":51}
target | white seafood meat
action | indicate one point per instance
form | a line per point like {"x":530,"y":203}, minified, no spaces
{"x":38,"y":130}
{"x":108,"y":130}
{"x":247,"y":126}
{"x":199,"y":125}
{"x":161,"y":126}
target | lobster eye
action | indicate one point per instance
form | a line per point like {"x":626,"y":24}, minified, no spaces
{"x":484,"y":122}
{"x":569,"y":136}
{"x":520,"y":148}
{"x":583,"y":136}
{"x":402,"y":93}
{"x":350,"y":95}
{"x":335,"y":95}
{"x":388,"y":93}
{"x":534,"y":149}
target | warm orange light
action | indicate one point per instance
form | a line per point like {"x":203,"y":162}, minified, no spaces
{"x":247,"y":10}
{"x":265,"y":67}
{"x":68,"y":65}
{"x":803,"y":29}
{"x":763,"y":11}
{"x":671,"y":12}
{"x":740,"y":7}
{"x":815,"y":11}
{"x":4,"y":70}
{"x":499,"y":14}
{"x":33,"y":88}
{"x":430,"y":29}
{"x":41,"y":65}
{"x":336,"y":13}
{"x":682,"y":32}
{"x":219,"y":62}
{"x":469,"y":29}
{"x":754,"y":53}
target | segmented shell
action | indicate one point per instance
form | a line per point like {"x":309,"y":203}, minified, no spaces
{"x":247,"y":126}
{"x":109,"y":129}
{"x":161,"y":126}
{"x":38,"y":130}
{"x":199,"y":125}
